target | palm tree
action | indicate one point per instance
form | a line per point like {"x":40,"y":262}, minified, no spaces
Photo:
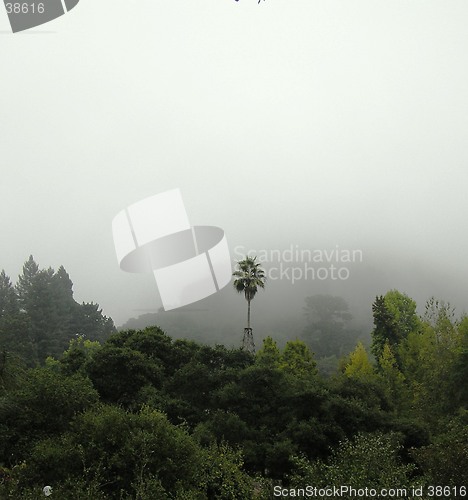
{"x":249,"y":276}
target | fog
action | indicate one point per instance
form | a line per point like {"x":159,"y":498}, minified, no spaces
{"x":311,"y":125}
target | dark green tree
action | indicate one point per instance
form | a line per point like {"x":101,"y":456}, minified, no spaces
{"x":42,"y":406}
{"x":119,"y":373}
{"x":14,"y":334}
{"x":39,"y":303}
{"x":9,"y":305}
{"x":79,"y":353}
{"x":24,"y":286}
{"x":90,"y":322}
{"x":119,"y":454}
{"x":51,"y":317}
{"x":394,"y":319}
{"x":445,"y":460}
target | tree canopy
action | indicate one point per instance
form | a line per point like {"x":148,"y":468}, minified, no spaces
{"x":138,"y":414}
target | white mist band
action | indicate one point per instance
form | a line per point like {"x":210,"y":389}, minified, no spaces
{"x":189,"y":263}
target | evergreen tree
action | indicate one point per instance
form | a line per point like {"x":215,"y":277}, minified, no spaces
{"x":89,"y":322}
{"x":14,"y":333}
{"x":393,"y":379}
{"x":8,"y":299}
{"x":24,"y":287}
{"x":359,"y":366}
{"x":394,"y":319}
{"x":36,"y":304}
{"x":51,"y":316}
{"x":42,"y":313}
{"x":64,"y":309}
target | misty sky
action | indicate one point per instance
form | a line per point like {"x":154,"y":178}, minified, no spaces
{"x":307,"y":122}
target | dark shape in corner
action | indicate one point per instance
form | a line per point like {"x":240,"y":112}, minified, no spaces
{"x":32,"y":14}
{"x":70,"y":4}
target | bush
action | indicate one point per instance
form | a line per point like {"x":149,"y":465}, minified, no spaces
{"x":369,"y":460}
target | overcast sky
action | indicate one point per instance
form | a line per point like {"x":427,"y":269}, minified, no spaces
{"x":316,"y":123}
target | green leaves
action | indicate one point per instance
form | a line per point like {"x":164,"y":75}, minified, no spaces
{"x":222,"y":476}
{"x":296,"y":359}
{"x":269,"y":354}
{"x":109,"y":451}
{"x":445,"y":461}
{"x":394,"y":319}
{"x":168,"y":419}
{"x":249,"y":277}
{"x":118,"y":373}
{"x":39,"y":317}
{"x":367,"y":461}
{"x":43,"y":406}
{"x":359,"y":365}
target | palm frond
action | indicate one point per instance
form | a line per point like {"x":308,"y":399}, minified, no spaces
{"x":249,"y":277}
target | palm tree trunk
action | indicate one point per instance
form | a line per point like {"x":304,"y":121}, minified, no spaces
{"x":248,"y":313}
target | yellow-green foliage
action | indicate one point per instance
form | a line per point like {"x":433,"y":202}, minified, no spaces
{"x":297,"y":359}
{"x":359,"y":365}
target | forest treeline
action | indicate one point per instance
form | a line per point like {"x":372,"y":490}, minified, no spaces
{"x":141,"y":415}
{"x":39,"y":316}
{"x":325,"y":323}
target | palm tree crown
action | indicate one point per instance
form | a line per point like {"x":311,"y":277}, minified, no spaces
{"x":249,"y":277}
